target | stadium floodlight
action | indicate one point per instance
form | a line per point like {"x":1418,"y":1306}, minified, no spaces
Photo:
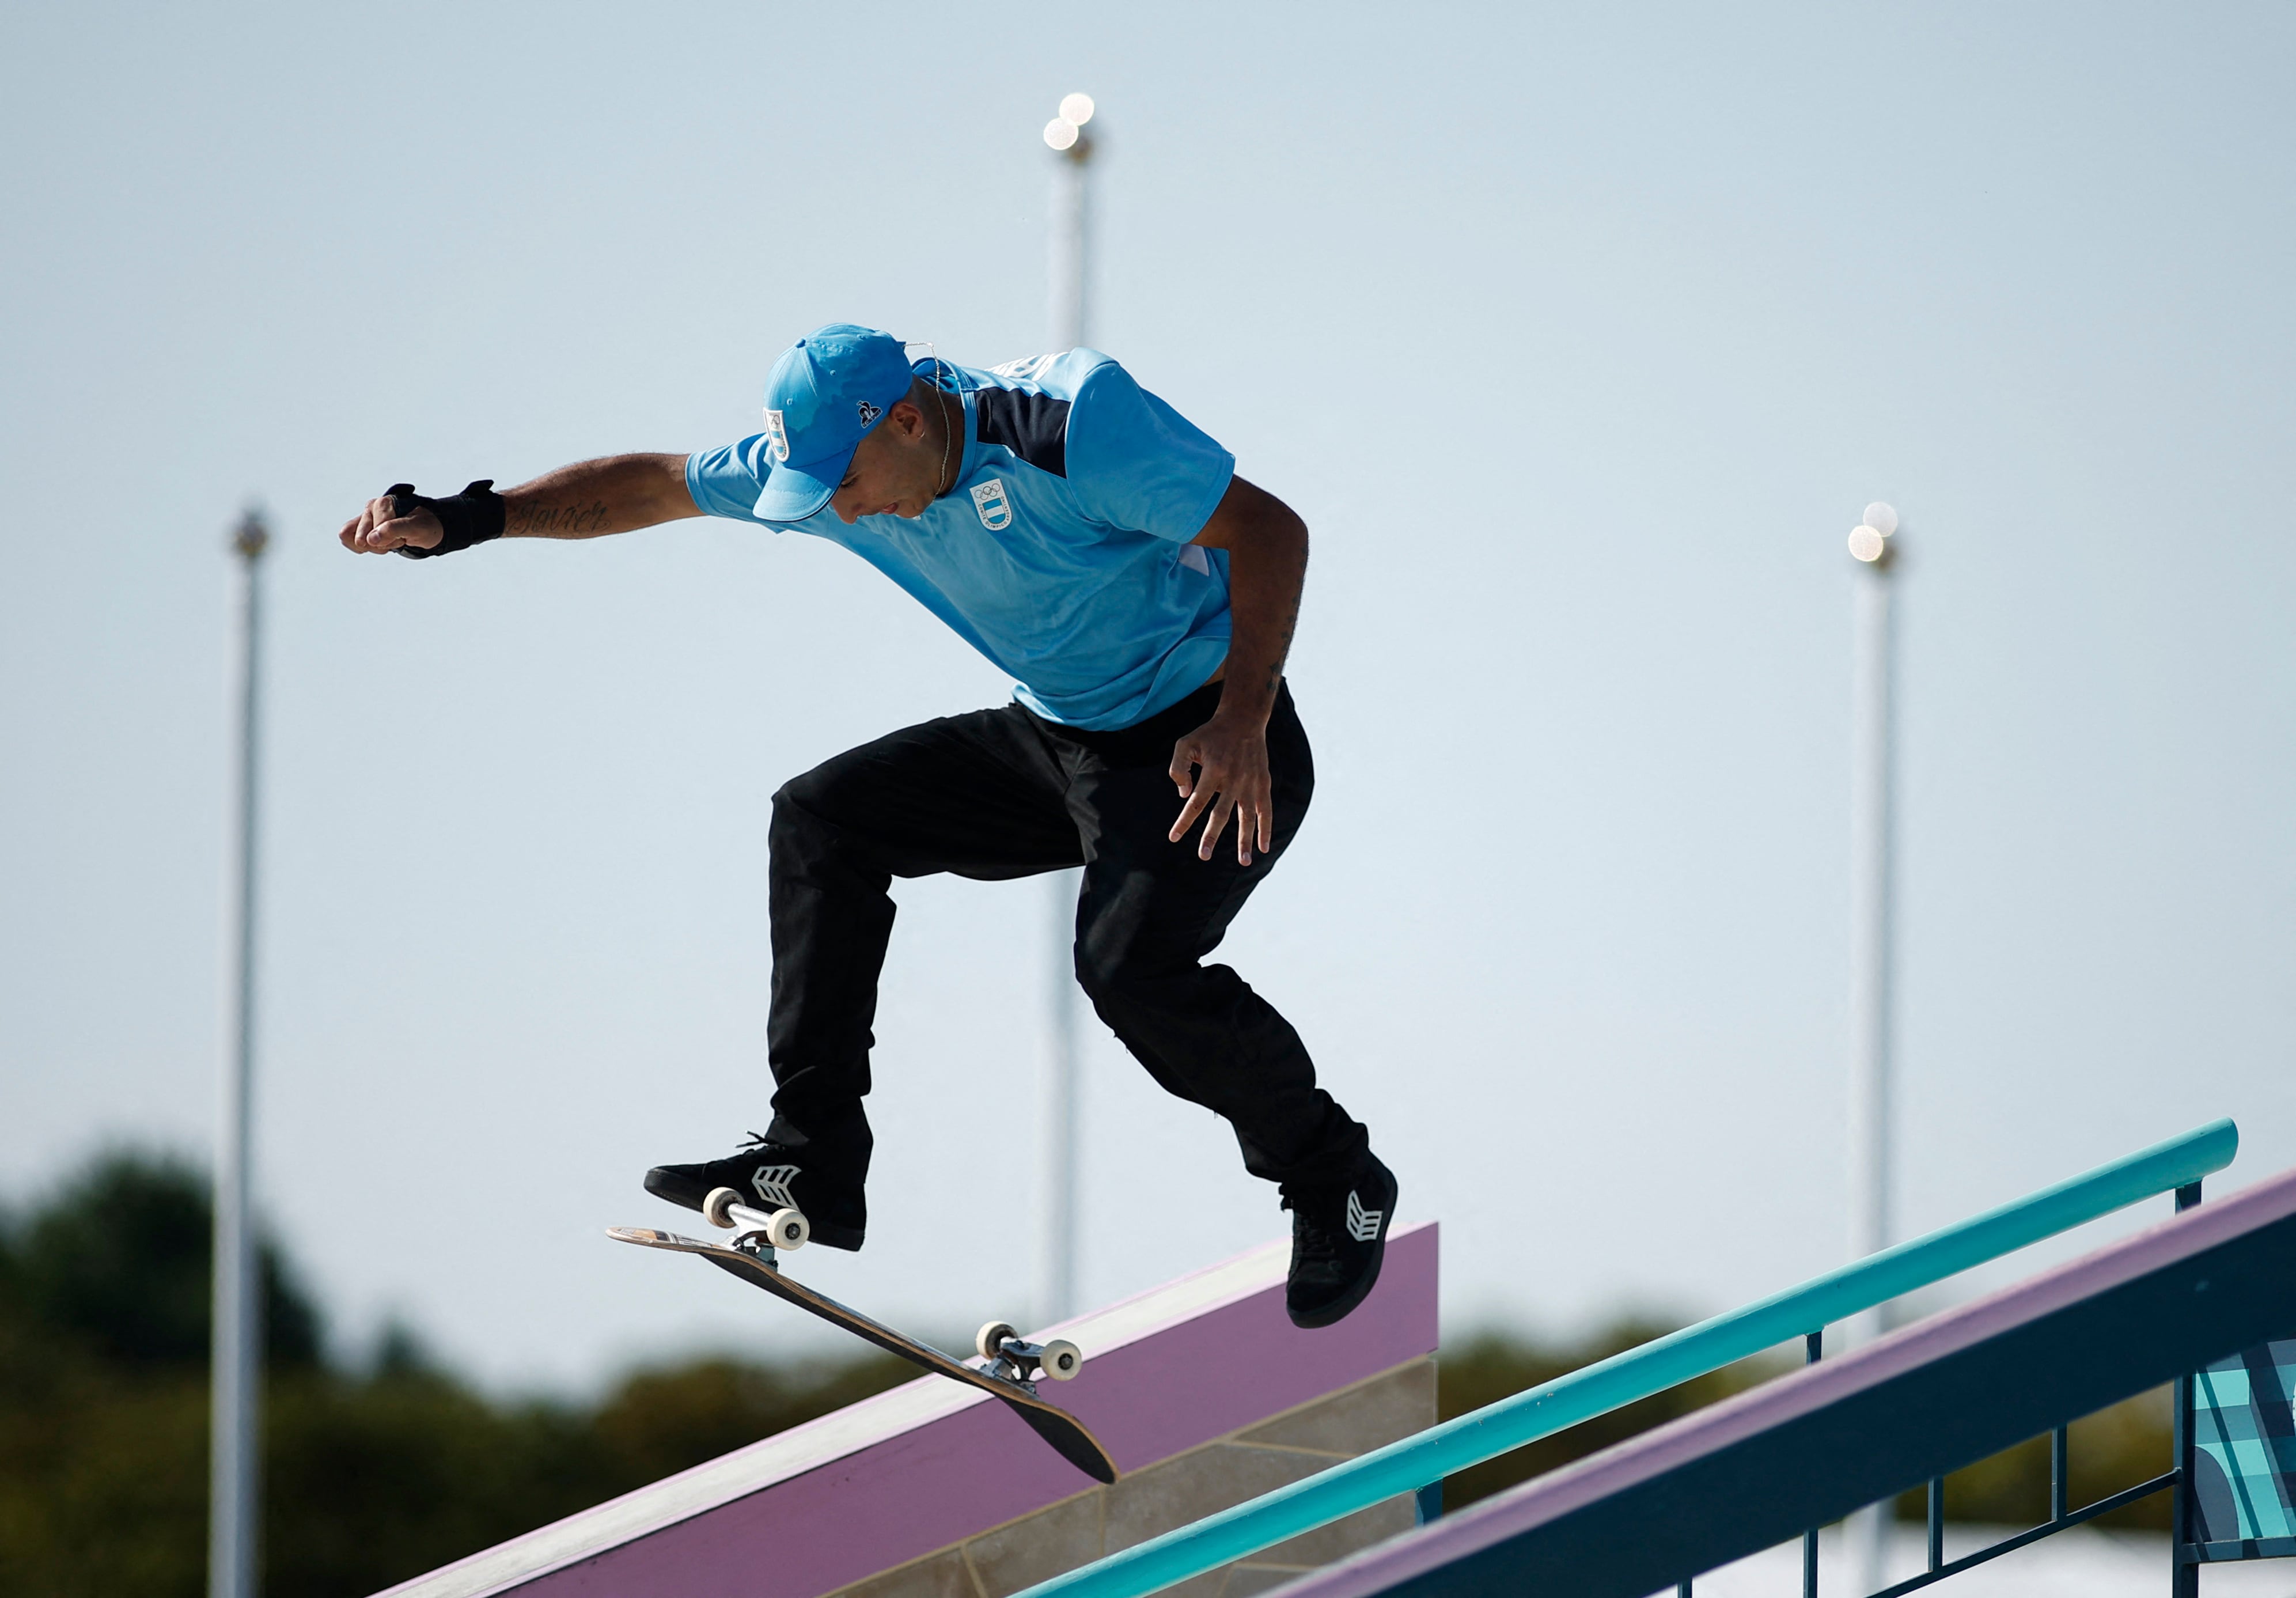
{"x":1076,"y":109}
{"x":1061,"y":133}
{"x":1869,"y":540}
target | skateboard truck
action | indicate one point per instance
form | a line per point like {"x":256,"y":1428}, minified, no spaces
{"x":1025,"y":1363}
{"x":756,"y":1232}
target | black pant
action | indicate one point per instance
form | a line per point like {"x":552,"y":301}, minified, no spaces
{"x":1005,"y":793}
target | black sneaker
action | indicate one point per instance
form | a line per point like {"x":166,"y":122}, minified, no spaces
{"x":774,"y":1175}
{"x":1339,"y":1237}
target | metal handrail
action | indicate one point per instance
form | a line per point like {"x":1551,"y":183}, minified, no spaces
{"x":1623,"y":1379}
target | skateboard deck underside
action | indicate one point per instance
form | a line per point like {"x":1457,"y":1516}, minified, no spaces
{"x":1068,"y":1435}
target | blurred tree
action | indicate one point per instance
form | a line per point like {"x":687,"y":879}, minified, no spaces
{"x":1489,"y":1366}
{"x":373,"y":1481}
{"x":117,"y":1260}
{"x":2108,"y":1451}
{"x":104,"y":1488}
{"x":671,"y":1418}
{"x":368,"y":1478}
{"x":2112,"y":1449}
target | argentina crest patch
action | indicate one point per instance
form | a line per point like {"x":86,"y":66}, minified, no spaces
{"x":777,"y":435}
{"x":995,"y":510}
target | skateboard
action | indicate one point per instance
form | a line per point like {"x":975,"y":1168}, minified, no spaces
{"x":1012,"y":1366}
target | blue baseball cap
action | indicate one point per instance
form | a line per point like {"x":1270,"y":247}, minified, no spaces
{"x":822,"y":397}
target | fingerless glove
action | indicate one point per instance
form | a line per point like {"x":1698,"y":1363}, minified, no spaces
{"x":473,"y":516}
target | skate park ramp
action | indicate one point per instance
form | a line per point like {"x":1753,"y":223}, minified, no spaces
{"x":1652,"y":1514}
{"x":2177,"y":1166}
{"x":1202,"y":1388}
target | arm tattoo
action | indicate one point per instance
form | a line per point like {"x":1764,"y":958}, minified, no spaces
{"x":557,"y":521}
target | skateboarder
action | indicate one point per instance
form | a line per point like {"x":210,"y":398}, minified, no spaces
{"x":1087,"y":539}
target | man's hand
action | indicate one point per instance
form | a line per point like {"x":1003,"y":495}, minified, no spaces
{"x":1221,"y":768}
{"x":1221,"y":771}
{"x":381,"y":530}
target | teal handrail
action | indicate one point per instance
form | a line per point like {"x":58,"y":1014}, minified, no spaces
{"x":1429,"y":1455}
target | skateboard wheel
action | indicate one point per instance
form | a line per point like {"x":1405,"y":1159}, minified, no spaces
{"x":1061,"y":1359}
{"x":718,"y":1208}
{"x":789,"y":1228}
{"x":988,"y":1342}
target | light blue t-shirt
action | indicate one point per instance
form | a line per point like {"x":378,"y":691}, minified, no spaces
{"x":1063,"y":552}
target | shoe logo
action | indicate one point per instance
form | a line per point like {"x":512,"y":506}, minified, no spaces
{"x":771,"y":1182}
{"x":1363,"y":1224}
{"x":995,"y":510}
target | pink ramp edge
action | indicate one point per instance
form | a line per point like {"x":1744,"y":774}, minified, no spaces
{"x":1550,"y":1498}
{"x":930,"y":1463}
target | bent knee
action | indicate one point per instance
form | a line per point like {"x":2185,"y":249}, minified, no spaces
{"x":1100,"y":973}
{"x":804,"y":825}
{"x":820,"y":797}
{"x":1114,"y":977}
{"x":792,"y":812}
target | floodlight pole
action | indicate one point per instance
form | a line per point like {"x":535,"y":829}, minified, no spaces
{"x":235,"y":1392}
{"x":1872,"y":947}
{"x":1056,"y":1249}
{"x":1071,"y":239}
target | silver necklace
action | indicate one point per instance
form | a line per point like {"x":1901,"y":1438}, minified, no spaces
{"x":942,"y":484}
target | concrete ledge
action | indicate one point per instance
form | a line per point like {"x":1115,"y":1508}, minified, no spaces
{"x":1160,"y":1497}
{"x":926,"y":1468}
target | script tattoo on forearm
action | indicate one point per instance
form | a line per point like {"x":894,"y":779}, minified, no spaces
{"x":557,"y":521}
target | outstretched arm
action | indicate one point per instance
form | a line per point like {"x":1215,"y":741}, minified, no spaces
{"x":1221,"y":767}
{"x":614,"y":494}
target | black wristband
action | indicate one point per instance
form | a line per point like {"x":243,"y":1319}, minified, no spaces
{"x":473,"y":516}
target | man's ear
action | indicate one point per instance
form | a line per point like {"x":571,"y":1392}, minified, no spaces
{"x":908,"y":418}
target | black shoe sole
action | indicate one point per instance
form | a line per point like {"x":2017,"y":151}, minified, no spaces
{"x":663,"y":1183}
{"x":1338,"y":1309}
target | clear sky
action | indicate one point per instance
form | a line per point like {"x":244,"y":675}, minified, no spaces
{"x":1580,"y":336}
